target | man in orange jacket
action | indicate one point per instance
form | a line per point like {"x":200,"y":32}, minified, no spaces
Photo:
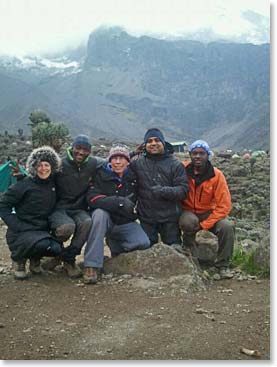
{"x":207,"y":205}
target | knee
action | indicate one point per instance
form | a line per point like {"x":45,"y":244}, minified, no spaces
{"x":188,"y":222}
{"x":225,"y":226}
{"x":99,"y":216}
{"x":65,"y":231}
{"x":85,"y":225}
{"x":56,"y":248}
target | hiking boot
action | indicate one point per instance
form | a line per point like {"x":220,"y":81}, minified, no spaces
{"x":19,"y":268}
{"x":35,"y":267}
{"x":225,"y":273}
{"x":51,"y":263}
{"x":90,"y":275}
{"x":72,"y":269}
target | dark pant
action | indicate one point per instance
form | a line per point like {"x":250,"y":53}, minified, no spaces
{"x":223,"y":229}
{"x":64,"y":224}
{"x":169,"y":232}
{"x":45,"y":247}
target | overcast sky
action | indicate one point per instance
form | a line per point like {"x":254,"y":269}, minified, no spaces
{"x":39,"y":26}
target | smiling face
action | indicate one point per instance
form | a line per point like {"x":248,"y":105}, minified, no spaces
{"x":199,"y":157}
{"x":44,"y":170}
{"x":80,"y":153}
{"x":119,"y":164}
{"x":154,"y":146}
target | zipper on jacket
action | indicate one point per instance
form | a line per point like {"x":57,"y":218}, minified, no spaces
{"x":194,"y":195}
{"x":200,"y":196}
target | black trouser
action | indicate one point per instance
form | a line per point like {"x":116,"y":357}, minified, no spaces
{"x":67,"y":223}
{"x":169,"y":232}
{"x":45,"y":247}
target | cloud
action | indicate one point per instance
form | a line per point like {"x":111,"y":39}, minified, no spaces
{"x":38,"y":26}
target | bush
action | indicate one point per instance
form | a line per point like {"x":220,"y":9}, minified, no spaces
{"x":246,"y":262}
{"x":54,"y":135}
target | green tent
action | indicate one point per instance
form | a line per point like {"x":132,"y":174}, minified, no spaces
{"x":258,"y":153}
{"x":6,"y":178}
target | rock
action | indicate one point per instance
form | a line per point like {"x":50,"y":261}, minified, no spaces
{"x":207,"y":246}
{"x":262,"y":254}
{"x":249,"y":245}
{"x":161,"y":264}
{"x":159,"y":261}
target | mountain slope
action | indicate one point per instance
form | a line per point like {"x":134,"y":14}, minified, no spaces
{"x":215,"y":91}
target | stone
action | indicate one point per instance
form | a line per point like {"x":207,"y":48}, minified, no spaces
{"x":161,"y":264}
{"x":206,"y":246}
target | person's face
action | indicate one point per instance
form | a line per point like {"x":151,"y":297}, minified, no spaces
{"x":119,"y":164}
{"x":199,"y":157}
{"x":154,"y":146}
{"x":44,"y":170}
{"x":80,"y":153}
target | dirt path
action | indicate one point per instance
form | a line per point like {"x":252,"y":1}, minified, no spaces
{"x":50,"y":317}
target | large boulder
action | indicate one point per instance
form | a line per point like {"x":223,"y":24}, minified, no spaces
{"x":161,"y":264}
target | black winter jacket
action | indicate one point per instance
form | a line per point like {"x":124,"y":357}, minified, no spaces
{"x":108,"y":192}
{"x":33,"y":200}
{"x":162,"y":186}
{"x":73,"y":181}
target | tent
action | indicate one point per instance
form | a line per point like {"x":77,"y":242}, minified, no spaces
{"x":6,"y":178}
{"x":258,"y":153}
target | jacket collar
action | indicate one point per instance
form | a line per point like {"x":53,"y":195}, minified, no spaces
{"x":199,"y":178}
{"x":71,"y":159}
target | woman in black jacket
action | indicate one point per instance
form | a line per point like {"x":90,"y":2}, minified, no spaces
{"x":25,"y":209}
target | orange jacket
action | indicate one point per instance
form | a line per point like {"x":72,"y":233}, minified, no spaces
{"x":212,"y":194}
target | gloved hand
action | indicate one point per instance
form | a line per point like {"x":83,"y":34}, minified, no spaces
{"x":157,"y":191}
{"x":126,"y":204}
{"x":165,"y":192}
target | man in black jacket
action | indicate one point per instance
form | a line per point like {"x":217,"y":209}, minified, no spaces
{"x":112,"y":198}
{"x":162,"y":186}
{"x":71,"y":216}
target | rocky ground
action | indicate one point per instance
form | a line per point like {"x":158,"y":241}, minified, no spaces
{"x":133,"y":316}
{"x":164,"y":309}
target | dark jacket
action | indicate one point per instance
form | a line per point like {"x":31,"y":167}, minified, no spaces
{"x":108,"y":192}
{"x":162,"y":186}
{"x":33,"y":200}
{"x":73,"y":181}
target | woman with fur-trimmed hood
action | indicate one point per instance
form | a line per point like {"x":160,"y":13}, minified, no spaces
{"x":25,"y":209}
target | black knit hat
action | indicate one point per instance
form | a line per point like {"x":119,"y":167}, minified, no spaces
{"x":43,"y":154}
{"x":154,"y":133}
{"x":82,"y":140}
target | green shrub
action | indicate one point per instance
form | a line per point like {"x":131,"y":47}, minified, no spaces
{"x":246,"y":262}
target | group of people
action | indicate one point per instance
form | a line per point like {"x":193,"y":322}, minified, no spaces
{"x":124,"y":201}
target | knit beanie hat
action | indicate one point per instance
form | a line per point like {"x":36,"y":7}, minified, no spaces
{"x":154,"y":133}
{"x":43,"y":154}
{"x":82,"y":140}
{"x":200,"y":144}
{"x":119,"y":150}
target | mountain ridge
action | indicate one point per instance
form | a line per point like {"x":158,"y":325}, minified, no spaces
{"x":125,"y":84}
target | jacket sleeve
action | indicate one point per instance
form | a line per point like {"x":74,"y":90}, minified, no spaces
{"x":8,"y":202}
{"x":97,"y":200}
{"x":180,"y":187}
{"x":223,"y":203}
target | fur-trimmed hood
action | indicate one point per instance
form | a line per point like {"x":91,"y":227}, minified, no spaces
{"x":43,"y":154}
